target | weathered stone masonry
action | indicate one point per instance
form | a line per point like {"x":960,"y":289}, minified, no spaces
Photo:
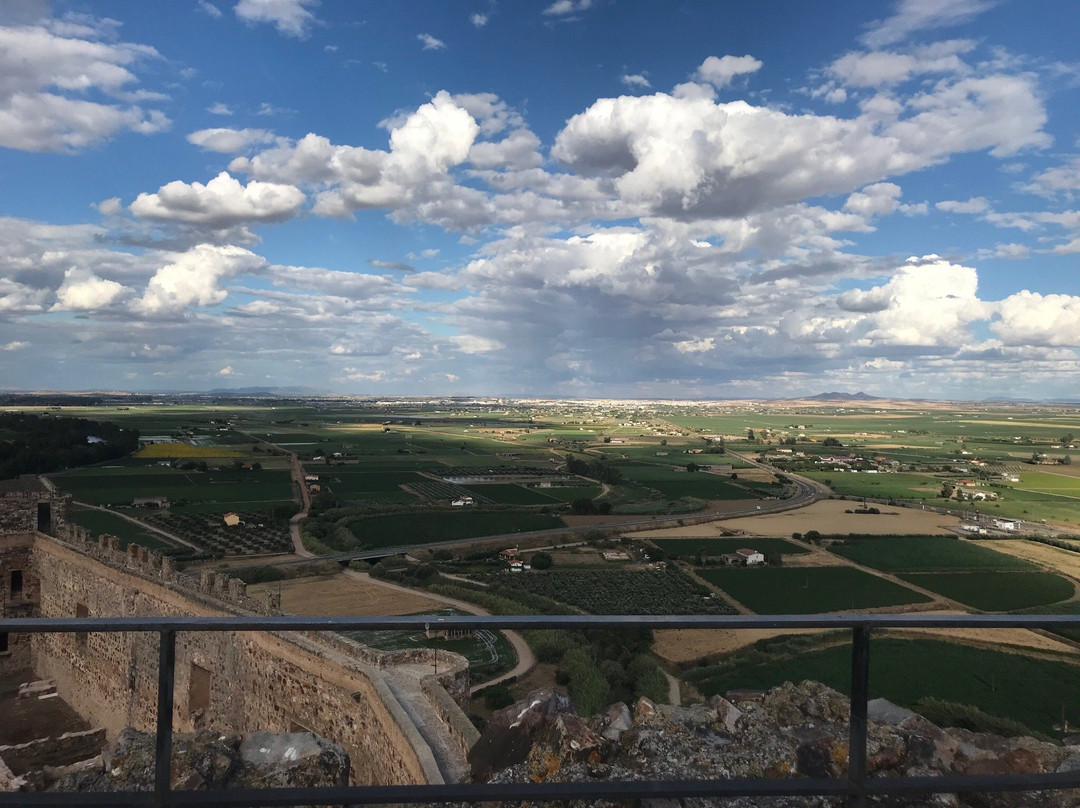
{"x":226,"y":681}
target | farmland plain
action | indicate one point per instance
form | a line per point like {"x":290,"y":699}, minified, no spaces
{"x":809,"y":590}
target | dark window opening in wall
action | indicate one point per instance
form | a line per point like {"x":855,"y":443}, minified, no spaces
{"x":16,"y":583}
{"x":80,"y":636}
{"x":3,"y":642}
{"x":44,"y":518}
{"x":198,"y":690}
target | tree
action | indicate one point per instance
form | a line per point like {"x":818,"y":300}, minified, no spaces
{"x":1066,"y":460}
{"x":750,"y":435}
{"x":1067,"y":439}
{"x":607,"y":439}
{"x":663,"y":441}
{"x":691,"y":467}
{"x":832,"y":442}
{"x":542,"y":561}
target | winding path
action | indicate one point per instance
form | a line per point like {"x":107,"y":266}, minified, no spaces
{"x":526,"y":658}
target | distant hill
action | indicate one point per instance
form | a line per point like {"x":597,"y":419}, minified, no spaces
{"x":860,"y":396}
{"x":288,"y":392}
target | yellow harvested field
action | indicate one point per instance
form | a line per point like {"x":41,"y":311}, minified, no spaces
{"x":826,"y":517}
{"x":753,"y":475}
{"x":170,"y":450}
{"x":344,"y":596}
{"x":687,"y":645}
{"x":1063,"y":561}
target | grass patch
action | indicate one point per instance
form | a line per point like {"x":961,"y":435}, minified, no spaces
{"x":926,"y":554}
{"x":996,"y":682}
{"x":997,"y":591}
{"x":809,"y":590}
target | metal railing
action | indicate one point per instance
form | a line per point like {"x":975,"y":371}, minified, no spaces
{"x":857,"y":786}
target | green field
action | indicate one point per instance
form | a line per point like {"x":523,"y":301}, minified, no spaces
{"x":569,"y":493}
{"x":808,"y":590}
{"x":899,"y":486}
{"x":676,"y":484}
{"x":926,"y":554}
{"x":98,"y":522}
{"x":421,"y":528}
{"x":210,"y":491}
{"x":996,"y":591}
{"x":616,"y":591}
{"x":711,"y":545}
{"x":509,"y":494}
{"x":1061,"y":484}
{"x":1000,"y":683}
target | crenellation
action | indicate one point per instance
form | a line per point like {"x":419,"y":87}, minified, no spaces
{"x":278,"y":681}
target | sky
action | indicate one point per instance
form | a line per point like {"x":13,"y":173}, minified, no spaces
{"x":579,"y":198}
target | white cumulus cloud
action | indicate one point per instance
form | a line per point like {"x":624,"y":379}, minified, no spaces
{"x":222,"y":202}
{"x":84,"y":291}
{"x":720,"y":71}
{"x":62,"y":90}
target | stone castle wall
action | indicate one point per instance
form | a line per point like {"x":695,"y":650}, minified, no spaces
{"x":19,"y":507}
{"x":226,"y":681}
{"x":15,"y":559}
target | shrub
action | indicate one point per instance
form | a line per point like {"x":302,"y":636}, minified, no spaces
{"x":588,"y":689}
{"x":498,"y":696}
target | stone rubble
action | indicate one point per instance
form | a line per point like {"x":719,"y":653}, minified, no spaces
{"x":206,"y":760}
{"x":793,"y":731}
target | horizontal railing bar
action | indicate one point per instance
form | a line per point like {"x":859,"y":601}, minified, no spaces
{"x":543,"y":792}
{"x":292,"y":623}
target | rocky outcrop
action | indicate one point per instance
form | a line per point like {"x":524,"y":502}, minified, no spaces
{"x":209,"y":760}
{"x":793,"y":731}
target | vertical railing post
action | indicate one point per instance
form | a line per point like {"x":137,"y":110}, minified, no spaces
{"x":860,"y":692}
{"x":163,"y":744}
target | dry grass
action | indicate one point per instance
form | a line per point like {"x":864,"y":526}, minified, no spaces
{"x":1056,"y":559}
{"x":342,"y":596}
{"x":826,"y":517}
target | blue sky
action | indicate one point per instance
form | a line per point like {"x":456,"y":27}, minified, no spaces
{"x":578,"y":198}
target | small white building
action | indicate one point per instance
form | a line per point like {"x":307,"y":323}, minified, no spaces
{"x":750,"y":557}
{"x":1008,"y":525}
{"x":232,"y":519}
{"x":461,"y":503}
